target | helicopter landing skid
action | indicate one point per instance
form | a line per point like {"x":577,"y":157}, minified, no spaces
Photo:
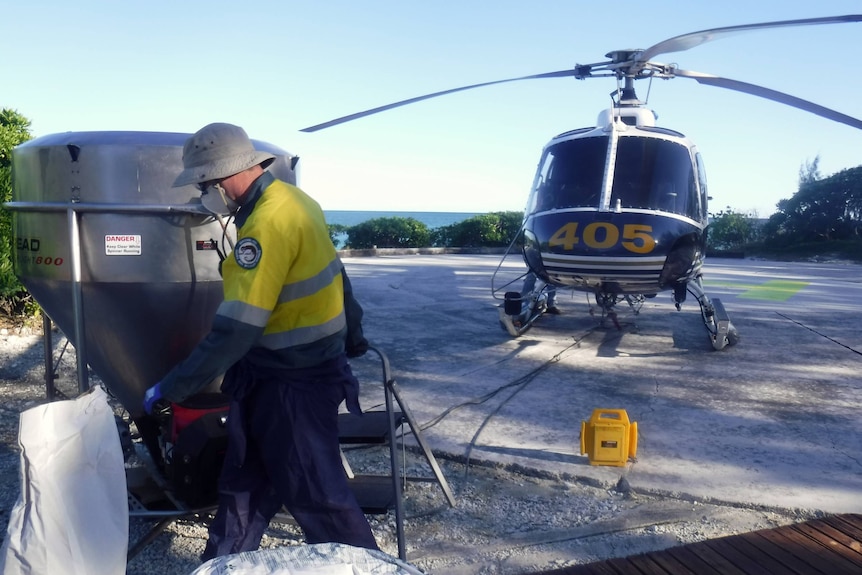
{"x":513,"y":324}
{"x":517,"y":322}
{"x":722,"y":333}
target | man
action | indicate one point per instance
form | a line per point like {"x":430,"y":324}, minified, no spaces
{"x":530,"y":285}
{"x":281,"y":336}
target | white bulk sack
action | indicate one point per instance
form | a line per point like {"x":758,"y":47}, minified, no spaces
{"x":316,"y":559}
{"x":72,"y":516}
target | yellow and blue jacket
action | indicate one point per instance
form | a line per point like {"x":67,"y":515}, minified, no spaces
{"x":284,"y":295}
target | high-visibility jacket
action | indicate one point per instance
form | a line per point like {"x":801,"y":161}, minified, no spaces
{"x":283,"y":292}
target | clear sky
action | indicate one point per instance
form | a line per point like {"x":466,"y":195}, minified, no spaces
{"x":276,"y":67}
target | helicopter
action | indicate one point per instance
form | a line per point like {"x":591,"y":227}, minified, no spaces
{"x":619,"y":209}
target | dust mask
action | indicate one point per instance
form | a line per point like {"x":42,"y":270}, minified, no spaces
{"x":216,"y":201}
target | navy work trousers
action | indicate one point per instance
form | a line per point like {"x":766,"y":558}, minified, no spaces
{"x":283,"y":449}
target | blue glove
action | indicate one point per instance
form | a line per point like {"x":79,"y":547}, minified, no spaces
{"x":152,"y":395}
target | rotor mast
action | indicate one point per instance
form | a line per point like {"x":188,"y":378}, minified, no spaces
{"x":625,"y":66}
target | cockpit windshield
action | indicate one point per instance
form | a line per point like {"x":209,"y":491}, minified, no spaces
{"x":649,"y":173}
{"x":570,"y":175}
{"x":654,"y":174}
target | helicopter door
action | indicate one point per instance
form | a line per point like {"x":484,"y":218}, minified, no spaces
{"x":570,"y":175}
{"x":654,"y":174}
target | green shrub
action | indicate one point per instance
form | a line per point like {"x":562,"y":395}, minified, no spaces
{"x":496,"y":229}
{"x":396,"y":232}
{"x":14,"y":299}
{"x":731,"y":230}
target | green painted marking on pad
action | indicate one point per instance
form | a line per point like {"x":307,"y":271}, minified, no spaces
{"x":732,"y":285}
{"x":775,"y":290}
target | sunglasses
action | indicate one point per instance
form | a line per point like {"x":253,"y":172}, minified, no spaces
{"x":204,"y":186}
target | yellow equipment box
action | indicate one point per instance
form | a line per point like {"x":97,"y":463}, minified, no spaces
{"x":608,"y":438}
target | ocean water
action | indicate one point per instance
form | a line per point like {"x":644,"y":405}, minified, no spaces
{"x":430,"y":219}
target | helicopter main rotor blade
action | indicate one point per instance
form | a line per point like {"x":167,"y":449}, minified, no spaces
{"x":356,"y":116}
{"x":693,"y":39}
{"x":769,"y":94}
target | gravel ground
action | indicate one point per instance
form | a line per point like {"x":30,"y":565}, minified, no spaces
{"x":506,"y":520}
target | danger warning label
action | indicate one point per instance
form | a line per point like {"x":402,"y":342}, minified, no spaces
{"x":122,"y":245}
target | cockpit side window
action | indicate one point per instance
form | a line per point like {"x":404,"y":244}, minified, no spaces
{"x":704,"y":191}
{"x":570,"y":174}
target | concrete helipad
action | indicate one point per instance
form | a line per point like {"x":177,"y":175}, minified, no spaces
{"x":773,"y":421}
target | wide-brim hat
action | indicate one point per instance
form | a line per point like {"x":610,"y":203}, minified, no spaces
{"x":218,"y":151}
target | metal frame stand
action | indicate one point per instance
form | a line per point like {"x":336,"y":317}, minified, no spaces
{"x":392,"y":396}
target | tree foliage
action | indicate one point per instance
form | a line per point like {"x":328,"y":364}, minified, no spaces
{"x":496,"y":229}
{"x":809,"y":171}
{"x":396,"y":232}
{"x":731,"y":230}
{"x":823,"y":217}
{"x":14,"y":130}
{"x":823,"y":209}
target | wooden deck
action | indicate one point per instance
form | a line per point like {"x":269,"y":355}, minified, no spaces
{"x":828,"y":546}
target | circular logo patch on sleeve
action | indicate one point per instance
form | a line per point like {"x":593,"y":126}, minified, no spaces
{"x":247,"y":253}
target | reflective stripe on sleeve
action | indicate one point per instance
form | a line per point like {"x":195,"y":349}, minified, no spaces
{"x":301,"y":335}
{"x":312,"y":285}
{"x":244,"y":312}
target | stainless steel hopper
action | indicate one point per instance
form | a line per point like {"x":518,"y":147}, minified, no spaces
{"x":124,"y":264}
